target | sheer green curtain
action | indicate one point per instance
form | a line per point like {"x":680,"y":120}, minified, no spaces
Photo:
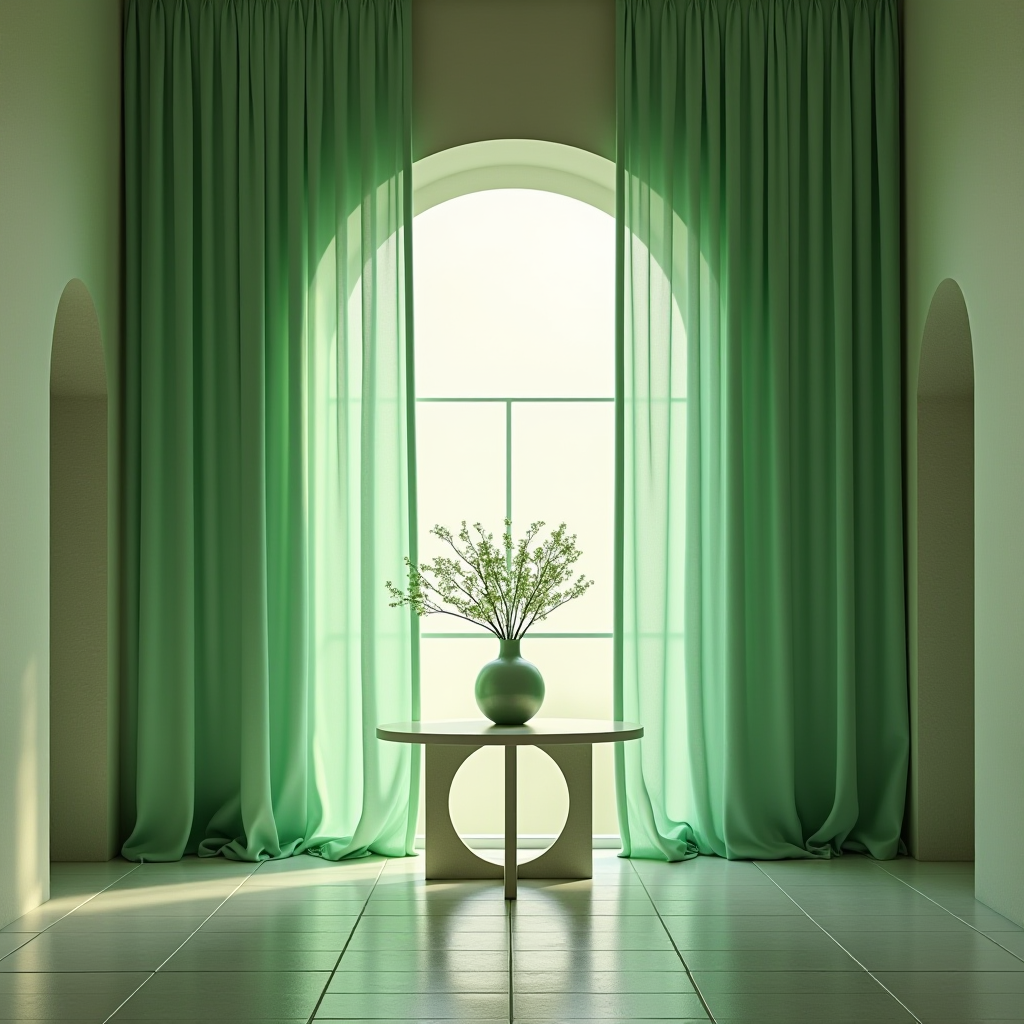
{"x":269,"y":447}
{"x":761,"y":632}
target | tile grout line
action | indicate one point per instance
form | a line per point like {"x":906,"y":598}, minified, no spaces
{"x":153,"y":973}
{"x":511,"y":963}
{"x":344,"y":949}
{"x":65,"y":916}
{"x":671,"y":938}
{"x":950,"y":912}
{"x":870,"y":974}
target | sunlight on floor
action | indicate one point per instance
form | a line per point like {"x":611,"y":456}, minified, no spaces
{"x":303,"y":939}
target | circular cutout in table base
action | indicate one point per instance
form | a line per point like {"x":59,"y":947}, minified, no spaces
{"x":476,"y":801}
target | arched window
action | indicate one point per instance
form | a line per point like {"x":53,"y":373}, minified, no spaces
{"x":514,"y":293}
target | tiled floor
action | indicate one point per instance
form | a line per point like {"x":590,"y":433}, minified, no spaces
{"x":293,"y":941}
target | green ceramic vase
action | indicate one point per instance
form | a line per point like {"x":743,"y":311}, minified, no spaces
{"x":509,"y":690}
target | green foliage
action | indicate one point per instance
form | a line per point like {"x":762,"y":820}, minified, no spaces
{"x":505,"y":590}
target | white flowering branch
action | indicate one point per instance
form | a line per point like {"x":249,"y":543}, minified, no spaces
{"x":506,"y":590}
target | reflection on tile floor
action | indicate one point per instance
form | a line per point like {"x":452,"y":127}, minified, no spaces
{"x":303,"y":940}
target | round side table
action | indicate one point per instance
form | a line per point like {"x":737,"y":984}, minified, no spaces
{"x":569,"y":743}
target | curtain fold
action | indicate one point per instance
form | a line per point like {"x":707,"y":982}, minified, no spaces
{"x":269,"y":451}
{"x":760,"y":625}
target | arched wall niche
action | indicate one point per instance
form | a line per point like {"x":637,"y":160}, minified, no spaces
{"x":82,"y":711}
{"x":514,"y":163}
{"x":942,"y":770}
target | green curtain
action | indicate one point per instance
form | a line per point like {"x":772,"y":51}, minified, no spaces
{"x":269,"y":447}
{"x":760,"y":624}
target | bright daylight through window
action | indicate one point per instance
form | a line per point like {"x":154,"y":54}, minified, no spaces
{"x":515,"y":374}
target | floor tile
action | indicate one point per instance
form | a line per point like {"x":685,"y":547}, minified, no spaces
{"x":201,"y":880}
{"x":571,"y":908}
{"x":807,"y":895}
{"x":902,"y":866}
{"x":421,"y":924}
{"x":83,"y":888}
{"x":105,"y":870}
{"x":626,"y":1020}
{"x":421,"y":981}
{"x":64,"y":997}
{"x":634,"y":924}
{"x":279,"y":922}
{"x":695,"y":866}
{"x":636,"y":902}
{"x":62,"y":1006}
{"x":816,"y":1007}
{"x":52,"y":952}
{"x":795,"y":982}
{"x":729,"y":907}
{"x":164,"y":905}
{"x":939,"y":982}
{"x":10,"y":941}
{"x":402,"y":1005}
{"x":260,"y":894}
{"x":581,"y":940}
{"x":194,"y":959}
{"x":891,"y":923}
{"x":963,"y":1005}
{"x":602,"y":1005}
{"x":714,"y":891}
{"x":305,"y":908}
{"x":903,"y":901}
{"x":1013,"y":941}
{"x":367,"y":867}
{"x":973,"y":1020}
{"x":73,"y":982}
{"x":927,"y":951}
{"x":839,"y":1019}
{"x":618,"y":885}
{"x":209,"y":996}
{"x":707,"y":923}
{"x":451,"y":908}
{"x":737,"y":874}
{"x":833,"y":879}
{"x":125,"y":923}
{"x":119,"y":1019}
{"x":424,"y":960}
{"x":796,"y":941}
{"x":381,"y":941}
{"x":592,"y":949}
{"x":117,"y":924}
{"x":602,"y":981}
{"x":979,"y":916}
{"x":400,"y":888}
{"x":42,"y":917}
{"x":595,"y":960}
{"x":824,"y":959}
{"x":268,"y":940}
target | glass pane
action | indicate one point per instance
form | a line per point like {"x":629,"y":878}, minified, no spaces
{"x":460,"y":458}
{"x":578,"y":678}
{"x":514,"y":296}
{"x":563,"y":470}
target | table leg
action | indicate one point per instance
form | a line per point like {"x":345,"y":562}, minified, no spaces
{"x":447,"y":855}
{"x":511,"y":826}
{"x":571,"y":854}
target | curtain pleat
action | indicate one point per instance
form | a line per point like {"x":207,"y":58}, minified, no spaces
{"x":269,"y":446}
{"x":760,"y":625}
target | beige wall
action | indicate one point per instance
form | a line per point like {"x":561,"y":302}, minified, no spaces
{"x":513,"y":69}
{"x":60,"y":202}
{"x":964,"y":153}
{"x":82,"y":727}
{"x":942,"y":805}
